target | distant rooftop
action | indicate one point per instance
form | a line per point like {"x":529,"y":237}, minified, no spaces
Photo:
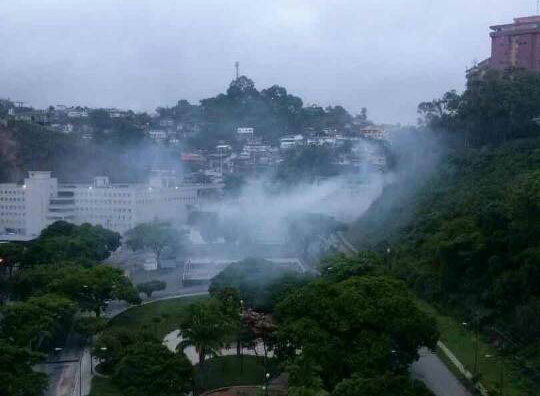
{"x":523,"y":23}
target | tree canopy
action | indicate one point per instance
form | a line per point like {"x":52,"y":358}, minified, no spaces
{"x":259,"y":283}
{"x":149,"y":369}
{"x":363,"y":325}
{"x":496,"y":107}
{"x":155,"y":237}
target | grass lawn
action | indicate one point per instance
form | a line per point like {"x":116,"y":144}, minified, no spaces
{"x":161,"y":317}
{"x":226,"y":371}
{"x":218,"y":373}
{"x":461,"y":341}
{"x":104,"y":387}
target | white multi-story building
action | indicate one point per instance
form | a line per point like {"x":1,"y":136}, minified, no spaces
{"x":25,"y":210}
{"x":157,"y":134}
{"x":245,"y":131}
{"x":290,"y":141}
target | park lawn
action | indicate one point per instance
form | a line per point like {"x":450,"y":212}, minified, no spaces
{"x":161,"y":317}
{"x":227,"y":371}
{"x":461,"y":341}
{"x":104,"y":387}
{"x":219,"y":372}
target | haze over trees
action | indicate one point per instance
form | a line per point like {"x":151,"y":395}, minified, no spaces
{"x":468,"y":238}
{"x":155,"y":237}
{"x":121,"y":149}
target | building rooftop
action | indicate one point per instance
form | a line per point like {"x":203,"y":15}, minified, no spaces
{"x":519,"y":24}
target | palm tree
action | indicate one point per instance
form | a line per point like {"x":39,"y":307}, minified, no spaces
{"x":205,"y":328}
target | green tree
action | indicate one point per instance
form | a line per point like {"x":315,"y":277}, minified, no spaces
{"x":258,"y":282}
{"x":150,"y":369}
{"x":38,"y":321}
{"x":206,"y":328}
{"x":151,"y":286}
{"x":307,"y":164}
{"x":16,"y":375}
{"x":11,"y":255}
{"x":113,"y":345}
{"x":385,"y":385}
{"x":94,"y":287}
{"x":154,"y":236}
{"x":89,"y":326}
{"x":493,"y":109}
{"x":341,"y":267}
{"x":63,"y":241}
{"x":368,"y":325}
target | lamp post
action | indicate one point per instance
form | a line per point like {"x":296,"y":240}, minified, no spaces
{"x":476,"y":325}
{"x":265,"y":386}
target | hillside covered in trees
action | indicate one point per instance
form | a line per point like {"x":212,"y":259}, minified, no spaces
{"x":467,"y":237}
{"x":102,"y":144}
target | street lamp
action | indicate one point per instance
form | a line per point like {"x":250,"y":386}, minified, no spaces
{"x":265,"y":386}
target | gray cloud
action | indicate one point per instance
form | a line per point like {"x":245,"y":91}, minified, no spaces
{"x":385,"y":55}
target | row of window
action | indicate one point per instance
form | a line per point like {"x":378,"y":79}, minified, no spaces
{"x":11,"y":221}
{"x":94,"y":209}
{"x":9,"y":199}
{"x":12,"y":207}
{"x":91,"y":193}
{"x":106,"y":217}
{"x":11,"y":192}
{"x":104,"y":202}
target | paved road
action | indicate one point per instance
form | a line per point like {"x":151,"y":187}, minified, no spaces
{"x":64,"y":377}
{"x":441,"y":381}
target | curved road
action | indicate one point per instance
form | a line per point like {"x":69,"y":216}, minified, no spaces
{"x":73,"y":362}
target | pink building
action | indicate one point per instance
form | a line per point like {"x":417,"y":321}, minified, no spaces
{"x":516,"y":44}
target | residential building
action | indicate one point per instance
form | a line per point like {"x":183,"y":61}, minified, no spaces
{"x":25,"y":210}
{"x":321,"y":141}
{"x":77,"y":113}
{"x":372,"y":132}
{"x":516,"y":45}
{"x":290,"y":141}
{"x":166,"y":122}
{"x":157,"y":134}
{"x":246,"y":134}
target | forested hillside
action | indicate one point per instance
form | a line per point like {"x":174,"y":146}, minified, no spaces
{"x":26,"y":146}
{"x":468,"y":238}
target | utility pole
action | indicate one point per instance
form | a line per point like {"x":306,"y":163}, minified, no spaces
{"x":476,"y":331}
{"x":237,"y":67}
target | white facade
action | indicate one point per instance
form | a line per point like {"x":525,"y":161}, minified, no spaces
{"x":25,"y":210}
{"x":245,"y":131}
{"x":287,"y":142}
{"x":157,"y":134}
{"x":77,"y":113}
{"x":372,"y":132}
{"x":321,"y":141}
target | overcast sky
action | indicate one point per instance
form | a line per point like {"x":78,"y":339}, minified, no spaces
{"x":384,"y":55}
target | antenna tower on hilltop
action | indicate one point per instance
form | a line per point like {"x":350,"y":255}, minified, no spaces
{"x":237,"y":66}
